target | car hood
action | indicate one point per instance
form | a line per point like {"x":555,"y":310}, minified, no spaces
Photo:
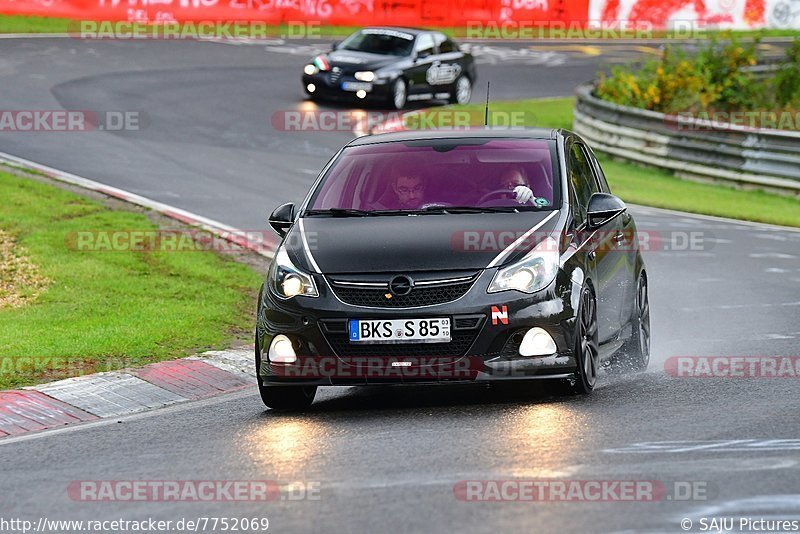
{"x":413,"y":243}
{"x":351,"y":59}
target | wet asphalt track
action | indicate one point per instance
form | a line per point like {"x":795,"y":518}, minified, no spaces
{"x":390,"y":457}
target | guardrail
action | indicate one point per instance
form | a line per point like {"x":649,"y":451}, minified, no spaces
{"x":691,"y":148}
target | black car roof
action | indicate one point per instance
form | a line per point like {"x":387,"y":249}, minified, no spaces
{"x":412,"y":31}
{"x":414,"y":135}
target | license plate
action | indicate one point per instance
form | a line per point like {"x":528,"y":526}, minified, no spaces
{"x":400,"y":331}
{"x":356,"y":86}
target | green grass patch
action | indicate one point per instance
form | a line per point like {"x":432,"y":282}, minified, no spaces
{"x":105,"y":310}
{"x":30,"y":24}
{"x":633,"y":183}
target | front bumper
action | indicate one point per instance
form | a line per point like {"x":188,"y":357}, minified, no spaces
{"x":379,"y":90}
{"x":481,"y":349}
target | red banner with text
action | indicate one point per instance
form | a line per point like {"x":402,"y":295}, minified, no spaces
{"x":654,"y":14}
{"x":334,"y":12}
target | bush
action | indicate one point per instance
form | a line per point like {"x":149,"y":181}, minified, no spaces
{"x":787,"y":80}
{"x":718,"y":77}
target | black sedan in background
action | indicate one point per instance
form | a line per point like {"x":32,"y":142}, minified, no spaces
{"x":392,"y":66}
{"x":432,"y":256}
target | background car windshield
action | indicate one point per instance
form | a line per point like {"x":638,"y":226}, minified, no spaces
{"x":384,"y":42}
{"x":409,"y":175}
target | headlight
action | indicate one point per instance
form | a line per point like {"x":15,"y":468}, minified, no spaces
{"x":310,"y":70}
{"x":287,"y":280}
{"x":365,"y":76}
{"x":531,"y":274}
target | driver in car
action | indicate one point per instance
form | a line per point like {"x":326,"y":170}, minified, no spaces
{"x":515,"y":181}
{"x":408,"y":191}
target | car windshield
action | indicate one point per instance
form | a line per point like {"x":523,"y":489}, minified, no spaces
{"x":384,"y":42}
{"x":440,"y":176}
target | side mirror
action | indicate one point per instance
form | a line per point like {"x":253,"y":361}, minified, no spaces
{"x":604,"y":207}
{"x":422,"y":54}
{"x":335,"y":46}
{"x":282,"y":218}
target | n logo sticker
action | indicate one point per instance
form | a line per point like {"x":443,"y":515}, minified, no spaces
{"x":499,"y":315}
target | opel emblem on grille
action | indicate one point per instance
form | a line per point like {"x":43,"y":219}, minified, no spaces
{"x":336,"y":69}
{"x":401,"y":285}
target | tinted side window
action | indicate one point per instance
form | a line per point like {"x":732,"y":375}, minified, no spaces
{"x":583,"y":182}
{"x":447,"y":46}
{"x":601,"y":176}
{"x":425,"y":45}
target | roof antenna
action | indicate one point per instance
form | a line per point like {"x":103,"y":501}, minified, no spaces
{"x":486,"y":114}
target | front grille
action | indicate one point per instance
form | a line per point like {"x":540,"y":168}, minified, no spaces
{"x":335,"y":75}
{"x":375,"y":297}
{"x":458,"y":346}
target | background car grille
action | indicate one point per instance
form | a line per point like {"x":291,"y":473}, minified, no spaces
{"x":458,"y":346}
{"x":419,"y":295}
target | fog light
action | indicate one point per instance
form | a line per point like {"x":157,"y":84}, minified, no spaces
{"x":537,"y":342}
{"x":311,"y":88}
{"x":361,"y":93}
{"x":281,"y":350}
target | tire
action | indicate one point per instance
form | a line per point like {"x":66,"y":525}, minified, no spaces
{"x":399,"y":95}
{"x":587,"y":353}
{"x":634,"y":355}
{"x":287,"y":398}
{"x":283,"y":398}
{"x":462,"y":91}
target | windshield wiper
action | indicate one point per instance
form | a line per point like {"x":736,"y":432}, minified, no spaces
{"x":472,"y":209}
{"x":340,"y":212}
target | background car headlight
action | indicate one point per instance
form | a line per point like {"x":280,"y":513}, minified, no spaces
{"x":531,"y":274}
{"x":287,"y":280}
{"x":365,"y":76}
{"x":310,"y":70}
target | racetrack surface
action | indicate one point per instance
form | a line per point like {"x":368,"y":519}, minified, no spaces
{"x":390,"y":457}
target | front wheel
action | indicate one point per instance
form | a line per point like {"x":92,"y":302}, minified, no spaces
{"x":287,"y":398}
{"x":634,"y":355}
{"x":587,"y":353}
{"x":462,"y":92}
{"x":399,"y":94}
{"x":283,"y":398}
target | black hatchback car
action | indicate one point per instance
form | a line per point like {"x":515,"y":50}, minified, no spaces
{"x":392,"y":66}
{"x":444,"y":257}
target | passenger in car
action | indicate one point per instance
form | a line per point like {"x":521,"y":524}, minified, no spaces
{"x":515,"y":181}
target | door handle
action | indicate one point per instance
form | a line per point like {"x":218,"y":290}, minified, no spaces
{"x":592,"y":255}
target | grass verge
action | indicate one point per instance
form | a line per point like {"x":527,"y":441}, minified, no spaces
{"x":105,"y":310}
{"x":640,"y":185}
